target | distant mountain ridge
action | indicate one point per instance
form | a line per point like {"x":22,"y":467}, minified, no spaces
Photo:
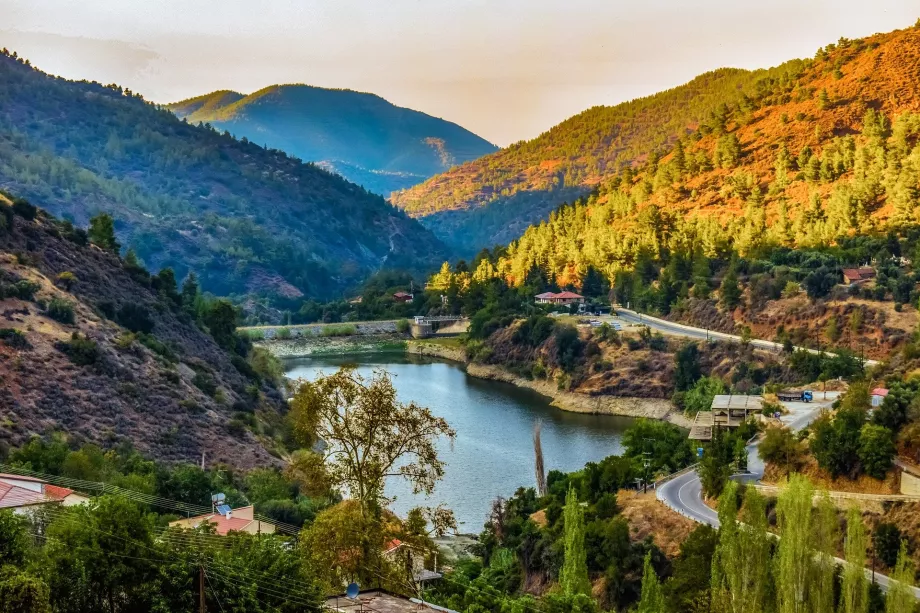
{"x":248,"y":220}
{"x":363,"y":137}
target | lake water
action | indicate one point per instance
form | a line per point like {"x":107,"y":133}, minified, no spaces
{"x":493,"y":452}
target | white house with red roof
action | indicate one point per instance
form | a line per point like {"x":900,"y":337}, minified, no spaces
{"x":240,"y":520}
{"x":878,"y":396}
{"x":22,"y":494}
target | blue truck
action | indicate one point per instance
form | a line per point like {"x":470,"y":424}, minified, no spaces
{"x":787,"y":396}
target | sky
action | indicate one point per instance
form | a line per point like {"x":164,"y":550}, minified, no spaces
{"x":505,"y":69}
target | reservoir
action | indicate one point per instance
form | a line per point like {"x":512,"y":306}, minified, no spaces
{"x":493,"y":452}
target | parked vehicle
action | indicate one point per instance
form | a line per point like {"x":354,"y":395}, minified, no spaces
{"x":789,"y":396}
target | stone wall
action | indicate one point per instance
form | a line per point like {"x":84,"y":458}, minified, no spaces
{"x":361,"y":328}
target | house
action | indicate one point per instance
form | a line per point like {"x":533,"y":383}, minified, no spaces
{"x":403,"y":297}
{"x":380,"y":601}
{"x":409,"y":557}
{"x":560,"y":298}
{"x":23,"y":494}
{"x":878,"y":396}
{"x":854,"y":276}
{"x":240,"y":520}
{"x":727,"y":411}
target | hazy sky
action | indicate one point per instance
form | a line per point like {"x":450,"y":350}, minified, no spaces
{"x":506,"y":69}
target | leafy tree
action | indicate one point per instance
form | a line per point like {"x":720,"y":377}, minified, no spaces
{"x":781,"y":448}
{"x":824,"y":544}
{"x":717,"y":464}
{"x":886,"y":540}
{"x":687,"y":589}
{"x":369,"y":436}
{"x":14,"y":538}
{"x":574,"y":573}
{"x":102,"y":232}
{"x":687,"y":370}
{"x":220,"y":317}
{"x":22,"y":593}
{"x":876,"y":450}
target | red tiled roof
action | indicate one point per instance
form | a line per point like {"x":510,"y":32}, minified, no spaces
{"x":546,"y":295}
{"x":394,"y":544}
{"x":12,"y":496}
{"x":859,"y":274}
{"x":880,"y":391}
{"x":568,"y":295}
{"x":58,"y":493}
{"x":19,"y":477}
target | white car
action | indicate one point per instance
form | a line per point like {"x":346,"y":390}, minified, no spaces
{"x":617,"y":326}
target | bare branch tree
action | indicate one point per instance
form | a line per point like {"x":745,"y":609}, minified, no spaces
{"x":539,"y":467}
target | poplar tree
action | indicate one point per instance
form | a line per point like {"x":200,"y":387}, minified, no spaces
{"x":899,"y":599}
{"x":741,"y":564}
{"x":824,"y":539}
{"x":794,"y":556}
{"x":854,"y":595}
{"x":652,"y":599}
{"x":574,"y":574}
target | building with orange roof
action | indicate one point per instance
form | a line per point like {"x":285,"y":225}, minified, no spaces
{"x":23,"y":494}
{"x":239,"y":520}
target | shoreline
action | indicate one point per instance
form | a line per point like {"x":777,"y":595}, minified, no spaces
{"x":616,"y":406}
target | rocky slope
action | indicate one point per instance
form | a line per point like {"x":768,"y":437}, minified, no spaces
{"x":173,"y":393}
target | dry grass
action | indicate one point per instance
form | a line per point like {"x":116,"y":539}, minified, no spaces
{"x":648,"y":517}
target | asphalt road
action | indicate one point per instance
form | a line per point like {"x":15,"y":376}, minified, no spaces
{"x":666,"y":327}
{"x":684,"y":493}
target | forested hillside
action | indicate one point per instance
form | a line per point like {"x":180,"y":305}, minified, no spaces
{"x":98,"y":349}
{"x":831,"y":154}
{"x":361,"y":136}
{"x":247,"y":219}
{"x":731,"y":126}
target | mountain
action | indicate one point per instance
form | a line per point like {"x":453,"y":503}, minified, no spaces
{"x":69,"y":365}
{"x":823,"y":160}
{"x":360,"y":136}
{"x":248,"y":220}
{"x":493,"y":199}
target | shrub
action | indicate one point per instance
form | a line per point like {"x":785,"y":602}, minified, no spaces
{"x":658,"y":342}
{"x":81,"y":350}
{"x":343,"y":330}
{"x":23,"y":289}
{"x":134,"y":317}
{"x":255,"y":335}
{"x":876,"y":450}
{"x":66,"y":279}
{"x":60,"y":310}
{"x":24,"y":209}
{"x":402,"y":326}
{"x":781,"y":448}
{"x":14,"y":338}
{"x":158,"y":347}
{"x":283,"y":333}
{"x":266,"y":365}
{"x":205,"y":382}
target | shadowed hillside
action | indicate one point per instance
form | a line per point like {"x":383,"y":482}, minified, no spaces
{"x":360,"y":136}
{"x":247,"y":219}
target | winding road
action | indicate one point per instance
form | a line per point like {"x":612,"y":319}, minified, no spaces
{"x":676,"y":329}
{"x":684,"y":493}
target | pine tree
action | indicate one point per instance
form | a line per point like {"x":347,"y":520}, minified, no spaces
{"x":574,"y":573}
{"x":652,"y":599}
{"x":794,"y":556}
{"x":102,"y":232}
{"x":854,"y":594}
{"x":730,"y":291}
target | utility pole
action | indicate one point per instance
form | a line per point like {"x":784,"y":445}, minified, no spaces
{"x":202,"y":607}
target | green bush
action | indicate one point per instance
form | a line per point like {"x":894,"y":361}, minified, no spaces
{"x":134,"y":317}
{"x":342,"y":330}
{"x":205,"y":382}
{"x":81,"y":350}
{"x":60,"y":310}
{"x":255,"y":335}
{"x":23,"y":289}
{"x":14,"y":338}
{"x":402,"y":326}
{"x":66,"y":279}
{"x":283,"y":333}
{"x":158,"y":347}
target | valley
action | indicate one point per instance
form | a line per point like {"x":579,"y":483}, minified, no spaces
{"x":305,"y":350}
